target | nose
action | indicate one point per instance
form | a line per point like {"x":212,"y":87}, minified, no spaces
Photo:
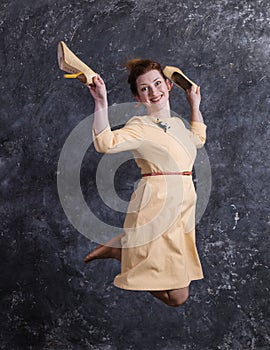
{"x":153,"y":90}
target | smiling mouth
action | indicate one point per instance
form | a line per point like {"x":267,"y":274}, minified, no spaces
{"x":156,"y":99}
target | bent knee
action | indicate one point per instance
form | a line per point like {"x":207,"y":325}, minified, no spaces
{"x":180,"y":299}
{"x":178,"y":302}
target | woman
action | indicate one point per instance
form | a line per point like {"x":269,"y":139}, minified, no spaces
{"x":157,"y":251}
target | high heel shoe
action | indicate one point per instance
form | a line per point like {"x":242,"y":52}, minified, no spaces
{"x":178,"y":77}
{"x":70,"y":63}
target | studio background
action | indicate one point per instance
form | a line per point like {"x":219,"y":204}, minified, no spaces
{"x":49,"y":298}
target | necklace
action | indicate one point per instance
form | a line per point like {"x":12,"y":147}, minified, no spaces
{"x":162,"y":124}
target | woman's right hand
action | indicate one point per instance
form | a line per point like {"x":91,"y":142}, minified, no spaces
{"x":98,"y":89}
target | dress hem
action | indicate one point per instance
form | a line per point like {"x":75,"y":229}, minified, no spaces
{"x":123,"y":286}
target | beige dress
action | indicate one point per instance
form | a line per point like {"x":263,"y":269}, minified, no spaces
{"x":159,"y":249}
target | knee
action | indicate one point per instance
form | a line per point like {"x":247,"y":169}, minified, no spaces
{"x":179,"y":300}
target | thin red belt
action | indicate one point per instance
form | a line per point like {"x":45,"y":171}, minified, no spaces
{"x":169,"y":173}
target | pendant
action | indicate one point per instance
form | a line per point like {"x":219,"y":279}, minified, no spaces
{"x":162,"y":125}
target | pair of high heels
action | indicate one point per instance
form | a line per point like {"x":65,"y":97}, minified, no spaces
{"x":70,"y":63}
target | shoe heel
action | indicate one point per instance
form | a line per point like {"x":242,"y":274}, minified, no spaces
{"x":72,"y":76}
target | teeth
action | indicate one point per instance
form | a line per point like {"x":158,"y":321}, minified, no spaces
{"x":156,"y":99}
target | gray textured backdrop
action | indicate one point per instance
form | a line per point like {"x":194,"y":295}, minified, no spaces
{"x":49,"y":298}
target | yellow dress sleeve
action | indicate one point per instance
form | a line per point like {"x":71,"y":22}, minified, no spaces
{"x":198,"y":133}
{"x":127,"y":138}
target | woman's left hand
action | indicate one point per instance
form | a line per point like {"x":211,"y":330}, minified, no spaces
{"x":194,"y":97}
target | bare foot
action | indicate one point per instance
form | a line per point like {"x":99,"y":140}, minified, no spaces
{"x":110,"y":250}
{"x":103,"y":252}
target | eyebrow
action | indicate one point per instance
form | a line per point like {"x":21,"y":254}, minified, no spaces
{"x":153,"y":81}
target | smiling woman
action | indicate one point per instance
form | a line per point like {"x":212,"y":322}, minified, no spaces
{"x":153,"y":91}
{"x":157,"y":249}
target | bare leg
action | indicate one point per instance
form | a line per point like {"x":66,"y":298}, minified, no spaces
{"x":173,"y":297}
{"x":111,"y":249}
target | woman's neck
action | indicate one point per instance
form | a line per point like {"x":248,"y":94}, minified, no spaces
{"x":160,"y":113}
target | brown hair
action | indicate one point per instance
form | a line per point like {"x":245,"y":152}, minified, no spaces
{"x":137,"y":67}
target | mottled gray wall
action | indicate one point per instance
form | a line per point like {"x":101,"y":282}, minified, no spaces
{"x":49,"y":298}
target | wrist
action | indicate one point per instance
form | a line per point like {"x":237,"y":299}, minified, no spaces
{"x":195,"y":109}
{"x":101,"y":103}
{"x":196,"y":116}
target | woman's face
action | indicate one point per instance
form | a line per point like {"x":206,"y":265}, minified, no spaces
{"x":153,"y":90}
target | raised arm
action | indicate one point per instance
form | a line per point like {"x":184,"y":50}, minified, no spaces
{"x":105,"y":140}
{"x":197,"y":126}
{"x":194,"y":99}
{"x":99,"y":92}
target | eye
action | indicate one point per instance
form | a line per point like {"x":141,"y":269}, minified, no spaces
{"x":144,"y":89}
{"x":158,"y":82}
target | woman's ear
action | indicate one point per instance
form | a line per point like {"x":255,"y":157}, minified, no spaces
{"x":137,"y":98}
{"x":169,"y":84}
